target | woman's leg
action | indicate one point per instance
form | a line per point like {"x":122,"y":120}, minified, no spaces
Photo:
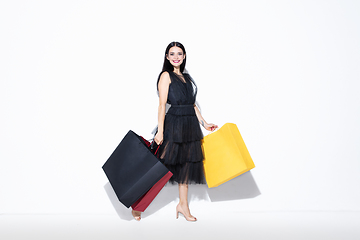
{"x":183,"y":206}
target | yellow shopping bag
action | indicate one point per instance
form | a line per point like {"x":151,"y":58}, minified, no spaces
{"x":225,"y":155}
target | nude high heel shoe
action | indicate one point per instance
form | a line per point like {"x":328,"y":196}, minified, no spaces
{"x":136,"y":215}
{"x":188,"y":218}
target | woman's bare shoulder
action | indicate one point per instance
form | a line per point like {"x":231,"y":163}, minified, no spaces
{"x":165,"y":76}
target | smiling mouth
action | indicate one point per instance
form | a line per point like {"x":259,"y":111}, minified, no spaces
{"x":176,"y":61}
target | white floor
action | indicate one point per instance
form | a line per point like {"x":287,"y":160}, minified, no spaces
{"x":163,"y":225}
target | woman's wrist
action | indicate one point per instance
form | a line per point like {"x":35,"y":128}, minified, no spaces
{"x":203,"y":123}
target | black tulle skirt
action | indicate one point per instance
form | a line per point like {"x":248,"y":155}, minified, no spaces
{"x":181,"y":150}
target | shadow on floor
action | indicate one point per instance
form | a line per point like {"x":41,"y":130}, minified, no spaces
{"x":241,"y":187}
{"x":121,"y":210}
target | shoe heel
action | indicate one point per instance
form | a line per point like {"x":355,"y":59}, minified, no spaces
{"x":177,"y":214}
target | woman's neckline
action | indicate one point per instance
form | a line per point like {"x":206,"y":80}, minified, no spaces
{"x":181,"y":77}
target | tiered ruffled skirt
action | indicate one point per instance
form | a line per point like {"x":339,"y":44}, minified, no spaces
{"x":181,"y":150}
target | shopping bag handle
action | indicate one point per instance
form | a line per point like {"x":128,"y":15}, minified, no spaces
{"x":154,"y":147}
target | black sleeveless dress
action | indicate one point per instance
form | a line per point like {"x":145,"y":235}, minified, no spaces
{"x":181,"y":150}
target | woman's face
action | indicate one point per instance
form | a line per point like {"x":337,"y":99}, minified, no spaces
{"x":175,"y":56}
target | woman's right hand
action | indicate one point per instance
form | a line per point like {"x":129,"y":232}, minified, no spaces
{"x":159,"y":137}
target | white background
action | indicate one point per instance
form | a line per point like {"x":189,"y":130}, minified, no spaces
{"x":77,"y":75}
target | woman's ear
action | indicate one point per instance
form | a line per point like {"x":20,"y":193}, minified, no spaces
{"x":167,"y":57}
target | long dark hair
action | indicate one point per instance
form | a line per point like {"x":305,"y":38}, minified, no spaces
{"x":167,"y":65}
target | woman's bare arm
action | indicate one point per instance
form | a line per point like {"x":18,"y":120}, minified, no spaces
{"x":163,"y":87}
{"x":207,"y":126}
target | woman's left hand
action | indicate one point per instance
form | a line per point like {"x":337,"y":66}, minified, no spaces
{"x":210,"y":126}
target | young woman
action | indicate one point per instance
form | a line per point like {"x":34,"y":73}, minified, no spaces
{"x":179,"y":134}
